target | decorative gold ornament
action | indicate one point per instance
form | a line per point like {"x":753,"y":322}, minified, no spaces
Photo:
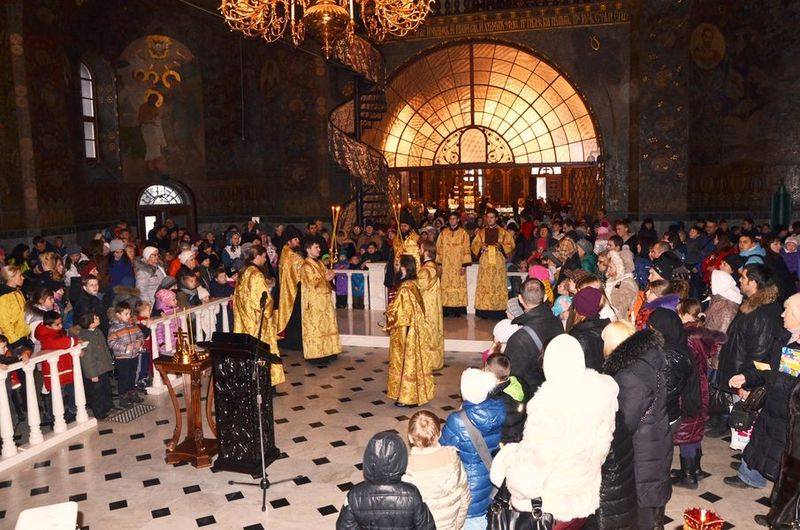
{"x":327,"y":20}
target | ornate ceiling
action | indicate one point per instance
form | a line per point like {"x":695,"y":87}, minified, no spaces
{"x":482,"y":102}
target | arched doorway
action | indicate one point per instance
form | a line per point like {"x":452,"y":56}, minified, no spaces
{"x":167,"y":200}
{"x":477,"y":119}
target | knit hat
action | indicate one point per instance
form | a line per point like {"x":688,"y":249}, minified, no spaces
{"x":667,"y":265}
{"x":503,"y":330}
{"x":476,"y":385}
{"x":586,"y":246}
{"x":149,"y":251}
{"x":185,"y":256}
{"x":792,"y":239}
{"x":539,"y":272}
{"x":735,"y":261}
{"x":514,"y":308}
{"x":168,"y":283}
{"x":87,"y":268}
{"x":165,"y":297}
{"x":603,"y":233}
{"x":115,"y":245}
{"x":724,"y":285}
{"x":587,"y":301}
{"x":72,"y":249}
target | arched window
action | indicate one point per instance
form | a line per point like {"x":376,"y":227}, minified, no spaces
{"x":88,"y":112}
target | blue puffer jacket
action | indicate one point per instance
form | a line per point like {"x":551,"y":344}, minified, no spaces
{"x":488,"y":417}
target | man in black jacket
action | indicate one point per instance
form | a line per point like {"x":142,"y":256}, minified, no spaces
{"x":752,"y":331}
{"x":383,"y":501}
{"x":522,"y":349}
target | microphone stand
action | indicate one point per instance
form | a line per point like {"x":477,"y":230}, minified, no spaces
{"x":264,"y":483}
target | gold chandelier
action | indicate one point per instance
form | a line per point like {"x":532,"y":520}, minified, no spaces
{"x":327,"y":20}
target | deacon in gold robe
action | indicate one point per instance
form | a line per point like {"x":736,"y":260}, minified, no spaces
{"x":431,"y":289}
{"x":250,"y":285}
{"x":453,"y":254}
{"x":406,"y":242}
{"x":320,"y":330}
{"x":410,"y":364}
{"x":289,"y":320}
{"x":493,"y":244}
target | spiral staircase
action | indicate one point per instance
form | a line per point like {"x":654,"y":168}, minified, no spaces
{"x":372,"y":192}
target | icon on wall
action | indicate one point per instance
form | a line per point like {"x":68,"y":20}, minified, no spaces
{"x":707,"y":46}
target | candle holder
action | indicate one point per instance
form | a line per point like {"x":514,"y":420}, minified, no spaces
{"x":702,"y":519}
{"x":336,"y":212}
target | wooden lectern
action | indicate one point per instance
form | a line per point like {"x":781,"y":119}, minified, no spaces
{"x":232,"y":360}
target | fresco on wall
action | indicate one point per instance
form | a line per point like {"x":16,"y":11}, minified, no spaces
{"x":744,"y":107}
{"x":160,"y":110}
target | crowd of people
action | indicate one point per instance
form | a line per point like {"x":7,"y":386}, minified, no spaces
{"x":634,"y":343}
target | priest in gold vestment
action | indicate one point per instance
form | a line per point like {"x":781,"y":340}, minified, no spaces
{"x":493,"y":244}
{"x":250,"y":285}
{"x":289,"y":296}
{"x":431,"y":289}
{"x":453,"y":254}
{"x":320,"y":330}
{"x":410,"y":364}
{"x":406,"y":242}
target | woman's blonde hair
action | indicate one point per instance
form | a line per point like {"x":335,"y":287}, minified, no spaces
{"x":9,"y":271}
{"x":49,"y":262}
{"x":424,"y":429}
{"x":615,"y":334}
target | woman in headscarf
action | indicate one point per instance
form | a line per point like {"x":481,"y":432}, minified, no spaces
{"x":621,"y":289}
{"x":564,"y":471}
{"x":725,"y":301}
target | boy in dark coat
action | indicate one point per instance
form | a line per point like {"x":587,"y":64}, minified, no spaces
{"x":511,"y":392}
{"x":383,"y":500}
{"x":96,"y":364}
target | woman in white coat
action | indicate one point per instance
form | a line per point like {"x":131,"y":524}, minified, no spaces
{"x":566,"y":439}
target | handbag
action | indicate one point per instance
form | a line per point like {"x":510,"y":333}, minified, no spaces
{"x":744,"y":412}
{"x":719,"y":402}
{"x":502,"y":516}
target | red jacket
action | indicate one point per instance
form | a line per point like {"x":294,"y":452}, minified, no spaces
{"x":56,"y":339}
{"x":712,"y":263}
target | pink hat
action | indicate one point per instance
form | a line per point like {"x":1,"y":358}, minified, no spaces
{"x":165,"y":298}
{"x":539,"y":272}
{"x":603,"y":233}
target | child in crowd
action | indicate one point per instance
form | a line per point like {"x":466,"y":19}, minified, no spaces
{"x":357,"y":282}
{"x":126,"y":341}
{"x":370,"y":502}
{"x":188,"y":292}
{"x":437,"y":472}
{"x":340,"y":281}
{"x":512,"y":393}
{"x":487,"y":415}
{"x":51,"y":336}
{"x":221,"y":288}
{"x":144,"y":310}
{"x":96,"y":364}
{"x":563,"y":301}
{"x":166,"y":304}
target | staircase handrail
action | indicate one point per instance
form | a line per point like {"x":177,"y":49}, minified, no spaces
{"x":361,"y":56}
{"x":360,"y":159}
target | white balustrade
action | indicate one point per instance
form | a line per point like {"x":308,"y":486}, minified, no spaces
{"x":203,"y":320}
{"x":351,"y":274}
{"x":39,"y":442}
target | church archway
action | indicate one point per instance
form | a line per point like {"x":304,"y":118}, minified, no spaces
{"x":160,"y":201}
{"x":484,"y":117}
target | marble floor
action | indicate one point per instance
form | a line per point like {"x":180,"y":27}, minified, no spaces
{"x":324,"y":417}
{"x":368,"y":323}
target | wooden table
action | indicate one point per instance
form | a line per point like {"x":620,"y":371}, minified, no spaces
{"x":195,"y":448}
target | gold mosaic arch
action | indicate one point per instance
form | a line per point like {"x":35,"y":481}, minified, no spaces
{"x":437,"y":104}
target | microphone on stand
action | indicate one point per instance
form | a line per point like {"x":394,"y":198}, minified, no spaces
{"x":263,"y":300}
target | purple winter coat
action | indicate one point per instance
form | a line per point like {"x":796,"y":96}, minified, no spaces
{"x":792,"y":260}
